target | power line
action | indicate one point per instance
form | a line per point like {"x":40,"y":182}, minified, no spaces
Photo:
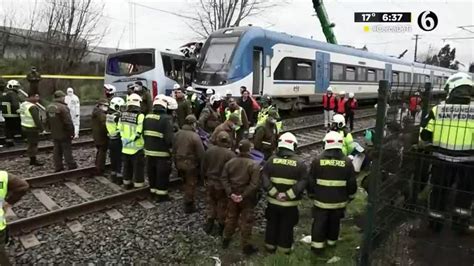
{"x":458,"y":38}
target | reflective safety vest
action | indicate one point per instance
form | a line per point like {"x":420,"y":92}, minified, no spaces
{"x":341,"y":106}
{"x":111,"y":123}
{"x":414,"y":101}
{"x":262,"y":117}
{"x":131,"y":127}
{"x":25,"y":115}
{"x":239,"y":114}
{"x":329,"y":102}
{"x":3,"y":195}
{"x":353,"y":104}
{"x":348,"y":143}
{"x":154,"y":127}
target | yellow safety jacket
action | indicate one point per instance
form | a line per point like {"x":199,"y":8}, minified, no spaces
{"x":111,"y":123}
{"x":262,"y":117}
{"x":239,"y":114}
{"x":348,"y":143}
{"x":25,"y":115}
{"x":131,"y":129}
{"x":3,"y":195}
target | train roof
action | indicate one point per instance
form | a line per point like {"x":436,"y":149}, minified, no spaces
{"x":146,"y":50}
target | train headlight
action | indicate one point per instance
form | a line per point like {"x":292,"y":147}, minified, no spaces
{"x":223,"y":82}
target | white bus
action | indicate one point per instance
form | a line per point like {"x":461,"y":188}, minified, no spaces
{"x":157,"y":70}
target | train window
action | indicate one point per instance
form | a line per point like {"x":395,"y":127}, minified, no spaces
{"x":395,"y":77}
{"x":408,"y":77}
{"x":304,"y":70}
{"x":361,"y":73}
{"x":427,"y":78}
{"x":380,"y":74}
{"x":416,"y":78}
{"x":371,"y":75}
{"x":350,"y":73}
{"x":285,"y":69}
{"x":337,"y":72}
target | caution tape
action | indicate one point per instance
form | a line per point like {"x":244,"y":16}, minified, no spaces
{"x":55,"y":77}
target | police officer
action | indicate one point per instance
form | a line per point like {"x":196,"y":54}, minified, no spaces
{"x":332,"y":182}
{"x":188,"y":151}
{"x":32,"y":126}
{"x":115,"y":142}
{"x":10,"y":108}
{"x":12,"y":190}
{"x":34,"y":78}
{"x":266,"y":136}
{"x":267,"y":105}
{"x":449,"y":130}
{"x":184,"y":106}
{"x":212,"y":164}
{"x":240,"y":178}
{"x":284,"y":179}
{"x":329,"y":105}
{"x":146,"y":104}
{"x":62,"y":131}
{"x":158,"y":135}
{"x":228,"y":126}
{"x":131,"y":132}
{"x":339,"y":125}
{"x":209,"y":117}
{"x":99,"y":134}
{"x":243,"y":124}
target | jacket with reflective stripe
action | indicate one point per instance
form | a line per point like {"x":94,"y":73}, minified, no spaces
{"x":239,"y":114}
{"x":263,"y":114}
{"x":131,"y":129}
{"x":3,"y":195}
{"x":158,"y":135}
{"x":111,"y":123}
{"x":284,"y":173}
{"x":332,"y":180}
{"x":25,"y":115}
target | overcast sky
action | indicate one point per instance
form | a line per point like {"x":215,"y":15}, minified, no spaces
{"x":163,"y":30}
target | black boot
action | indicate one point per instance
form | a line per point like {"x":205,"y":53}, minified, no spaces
{"x":249,"y":250}
{"x":220,"y":229}
{"x":163,"y":198}
{"x":189,"y":207}
{"x":118,"y":180}
{"x":225,"y":243}
{"x":34,"y":162}
{"x":128,"y":186}
{"x":208,"y":226}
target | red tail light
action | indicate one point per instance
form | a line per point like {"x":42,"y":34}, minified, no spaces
{"x":154,"y":88}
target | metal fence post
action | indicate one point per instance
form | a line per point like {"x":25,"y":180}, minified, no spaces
{"x":384,"y":87}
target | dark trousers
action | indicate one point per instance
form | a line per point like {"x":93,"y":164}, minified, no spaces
{"x":326,"y":226}
{"x":2,"y":133}
{"x":280,"y":223}
{"x":62,"y":148}
{"x":134,"y":169}
{"x":350,"y":120}
{"x":158,"y":171}
{"x":188,"y":170}
{"x":443,"y":176}
{"x":216,"y":203}
{"x":100,"y":156}
{"x":12,"y":128}
{"x":4,"y":260}
{"x":241,"y":214}
{"x":115,"y":155}
{"x":32,"y":137}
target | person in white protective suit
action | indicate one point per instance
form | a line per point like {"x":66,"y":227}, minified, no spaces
{"x":74,"y":106}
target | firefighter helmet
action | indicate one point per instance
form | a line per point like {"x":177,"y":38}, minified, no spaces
{"x":339,"y":120}
{"x":287,"y":141}
{"x":214,"y":98}
{"x":172,"y":103}
{"x":134,"y":100}
{"x":333,"y":140}
{"x":12,"y":84}
{"x":109,"y":89}
{"x":160,"y":100}
{"x":457,"y":80}
{"x":116,"y":103}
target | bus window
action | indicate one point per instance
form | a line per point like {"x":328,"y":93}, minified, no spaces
{"x":178,"y":71}
{"x":130,"y":64}
{"x":189,"y":69}
{"x":167,"y":69}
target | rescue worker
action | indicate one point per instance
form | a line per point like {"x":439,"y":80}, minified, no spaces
{"x":415,"y":101}
{"x":99,"y":134}
{"x":351,"y":105}
{"x":243,"y":124}
{"x":146,"y":104}
{"x":74,"y":105}
{"x":130,"y":90}
{"x":339,"y":125}
{"x":10,"y":108}
{"x":267,"y":105}
{"x":240,"y":177}
{"x":266,"y":136}
{"x":131,"y":132}
{"x":341,"y":103}
{"x":209,"y":117}
{"x":34,"y":79}
{"x":12,"y":190}
{"x":209,"y":93}
{"x":448,"y":129}
{"x":212,"y":164}
{"x":158,"y":135}
{"x":329,"y":105}
{"x":115,"y":141}
{"x":284,"y":178}
{"x":31,"y":126}
{"x":188,"y":151}
{"x":228,"y":126}
{"x":62,"y":131}
{"x":109,"y":91}
{"x":192,"y":98}
{"x":224,"y":105}
{"x":171,"y":110}
{"x":184,"y":107}
{"x":333,"y":184}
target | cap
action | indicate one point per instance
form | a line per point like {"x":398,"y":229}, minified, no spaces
{"x":245,"y":146}
{"x":223,"y":137}
{"x":190,"y":119}
{"x":59,"y":94}
{"x":103,"y":102}
{"x":234,"y":118}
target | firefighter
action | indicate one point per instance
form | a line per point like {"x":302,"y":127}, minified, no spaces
{"x":12,"y":190}
{"x":192,"y":98}
{"x":240,"y":178}
{"x":266,"y":136}
{"x":351,"y":105}
{"x":212,"y":164}
{"x":284,"y":179}
{"x":109,"y":91}
{"x":99,"y":134}
{"x":171,"y":110}
{"x":329,"y":105}
{"x":188,"y":151}
{"x":34,"y":79}
{"x":209,"y":117}
{"x":31,"y":126}
{"x":146,"y":104}
{"x":243,"y":124}
{"x":184,"y":106}
{"x":228,"y":126}
{"x":266,"y":103}
{"x":62,"y":131}
{"x":10,"y":107}
{"x":115,"y":142}
{"x":339,"y":125}
{"x":341,"y":103}
{"x":74,"y":105}
{"x":448,"y":129}
{"x":158,"y":135}
{"x":414,"y":102}
{"x":131,"y":133}
{"x":333,"y":184}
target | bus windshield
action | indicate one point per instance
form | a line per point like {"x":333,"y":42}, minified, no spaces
{"x":219,"y":53}
{"x":130,"y":64}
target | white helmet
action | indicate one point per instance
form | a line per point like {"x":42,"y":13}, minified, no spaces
{"x":13,"y":83}
{"x":172,"y":103}
{"x":351,"y":95}
{"x":161,"y":100}
{"x":134,"y":100}
{"x":214,"y":98}
{"x":209,"y":91}
{"x":116,"y":103}
{"x":110,"y":89}
{"x":189,"y":88}
{"x":333,"y":140}
{"x":329,"y":89}
{"x":70,"y":91}
{"x":457,"y":80}
{"x":342,"y":93}
{"x":339,"y":120}
{"x":287,"y":141}
{"x":176,"y":86}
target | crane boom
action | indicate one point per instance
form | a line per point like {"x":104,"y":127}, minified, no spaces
{"x":325,"y":24}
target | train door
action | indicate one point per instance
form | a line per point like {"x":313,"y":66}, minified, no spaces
{"x":322,"y":71}
{"x":257,"y":86}
{"x":388,"y":72}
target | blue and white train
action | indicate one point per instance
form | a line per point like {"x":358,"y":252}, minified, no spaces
{"x":296,"y":71}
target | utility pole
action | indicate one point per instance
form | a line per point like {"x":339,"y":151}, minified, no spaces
{"x":417,"y":36}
